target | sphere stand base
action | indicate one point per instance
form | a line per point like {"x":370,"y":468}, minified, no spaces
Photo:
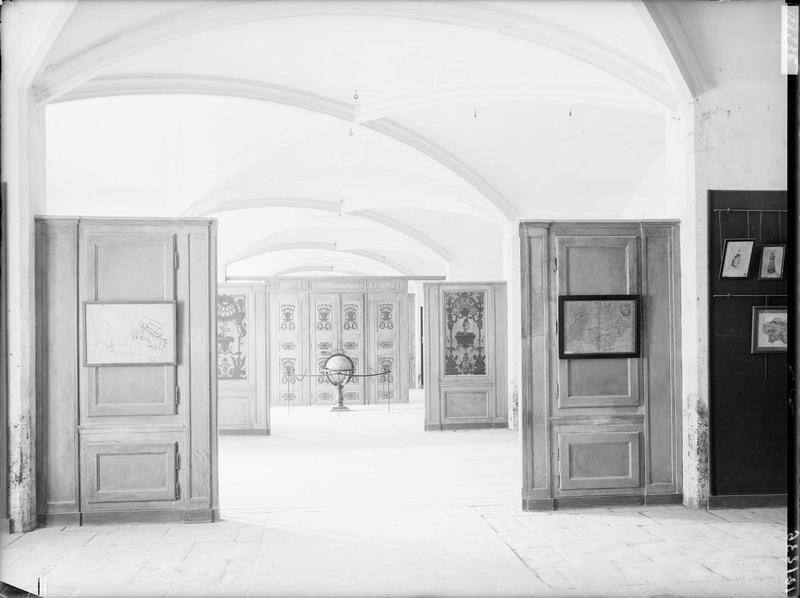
{"x":340,"y":405}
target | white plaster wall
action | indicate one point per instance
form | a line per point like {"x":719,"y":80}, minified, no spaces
{"x":740,"y":144}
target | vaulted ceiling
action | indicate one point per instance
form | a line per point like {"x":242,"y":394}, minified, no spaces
{"x":381,"y":138}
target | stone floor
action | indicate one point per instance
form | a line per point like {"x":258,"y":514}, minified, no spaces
{"x":366,"y":504}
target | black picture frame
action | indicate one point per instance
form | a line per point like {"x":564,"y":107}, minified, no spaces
{"x":775,"y":248}
{"x":756,"y":340}
{"x":725,"y":270}
{"x":564,"y":329}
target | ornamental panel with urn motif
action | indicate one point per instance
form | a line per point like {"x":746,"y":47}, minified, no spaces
{"x":232,"y":339}
{"x":465,"y":335}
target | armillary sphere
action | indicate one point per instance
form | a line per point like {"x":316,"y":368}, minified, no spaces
{"x":339,"y":370}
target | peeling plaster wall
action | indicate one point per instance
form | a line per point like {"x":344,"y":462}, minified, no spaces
{"x":740,"y":144}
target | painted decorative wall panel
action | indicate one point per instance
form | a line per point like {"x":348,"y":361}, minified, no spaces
{"x":465,"y":363}
{"x":232,"y":338}
{"x":241,"y":359}
{"x":465,"y":343}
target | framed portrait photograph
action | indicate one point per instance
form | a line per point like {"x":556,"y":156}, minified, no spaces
{"x":771,"y":265}
{"x":118,"y":333}
{"x":770,"y":330}
{"x":592,"y":326}
{"x":736,"y":258}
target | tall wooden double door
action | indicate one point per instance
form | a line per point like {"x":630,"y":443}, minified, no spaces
{"x":125,"y":405}
{"x":601,"y":422}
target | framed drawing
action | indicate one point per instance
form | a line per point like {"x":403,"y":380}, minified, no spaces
{"x":770,"y":330}
{"x":771,"y":265}
{"x":592,"y":326}
{"x":135,"y":333}
{"x":736,"y":257}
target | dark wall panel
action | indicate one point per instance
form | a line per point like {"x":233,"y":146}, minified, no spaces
{"x":747,"y":391}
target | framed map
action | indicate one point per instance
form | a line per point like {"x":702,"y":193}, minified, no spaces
{"x":592,"y":326}
{"x":130,"y":333}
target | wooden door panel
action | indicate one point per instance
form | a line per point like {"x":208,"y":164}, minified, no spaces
{"x":289,"y":329}
{"x":236,"y":410}
{"x":130,"y":471}
{"x":597,"y":265}
{"x":130,"y":267}
{"x":124,"y":390}
{"x":351,"y":343}
{"x":598,"y":460}
{"x":466,"y":404}
{"x":387,"y":334}
{"x":325,"y":325}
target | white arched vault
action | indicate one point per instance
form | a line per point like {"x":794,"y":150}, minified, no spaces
{"x":324,"y":206}
{"x":223,"y":86}
{"x":361,"y":233}
{"x":62,"y":77}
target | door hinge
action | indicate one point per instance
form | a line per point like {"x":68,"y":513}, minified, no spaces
{"x":558,"y":389}
{"x":556,"y":326}
{"x":555,"y":263}
{"x":177,"y":397}
{"x":177,"y":490}
{"x":177,"y":460}
{"x":175,"y":260}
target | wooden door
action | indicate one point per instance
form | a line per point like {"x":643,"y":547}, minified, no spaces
{"x":386,"y":322}
{"x":597,"y":414}
{"x":324,"y":331}
{"x":351,"y":343}
{"x":287,"y":342}
{"x":132,"y":429}
{"x":465,"y":355}
{"x":242,"y":358}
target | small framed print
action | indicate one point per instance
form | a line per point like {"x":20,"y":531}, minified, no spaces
{"x":736,"y":258}
{"x":771,"y":265}
{"x":770,"y":330}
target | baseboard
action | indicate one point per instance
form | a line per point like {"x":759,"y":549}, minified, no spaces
{"x":612,"y":500}
{"x":745,"y":501}
{"x":151,"y":516}
{"x":5,"y":526}
{"x":537,"y":504}
{"x":243,"y":432}
{"x":465,"y":426}
{"x":56,"y":519}
{"x":586,"y":502}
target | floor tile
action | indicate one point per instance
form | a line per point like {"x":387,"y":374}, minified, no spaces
{"x":691,"y":550}
{"x":666,"y":573}
{"x":684,"y":532}
{"x":580,"y":554}
{"x":587,"y":576}
{"x":226,"y":551}
{"x":748,"y":569}
{"x":200,"y":571}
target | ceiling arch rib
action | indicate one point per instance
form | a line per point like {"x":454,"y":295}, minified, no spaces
{"x":367,"y":236}
{"x":311,"y":268}
{"x":261,"y":248}
{"x":175,"y":83}
{"x":64,"y":76}
{"x":313,"y":204}
{"x":397,"y":131}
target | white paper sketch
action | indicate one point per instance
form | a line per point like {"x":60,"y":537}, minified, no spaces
{"x":130,"y":333}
